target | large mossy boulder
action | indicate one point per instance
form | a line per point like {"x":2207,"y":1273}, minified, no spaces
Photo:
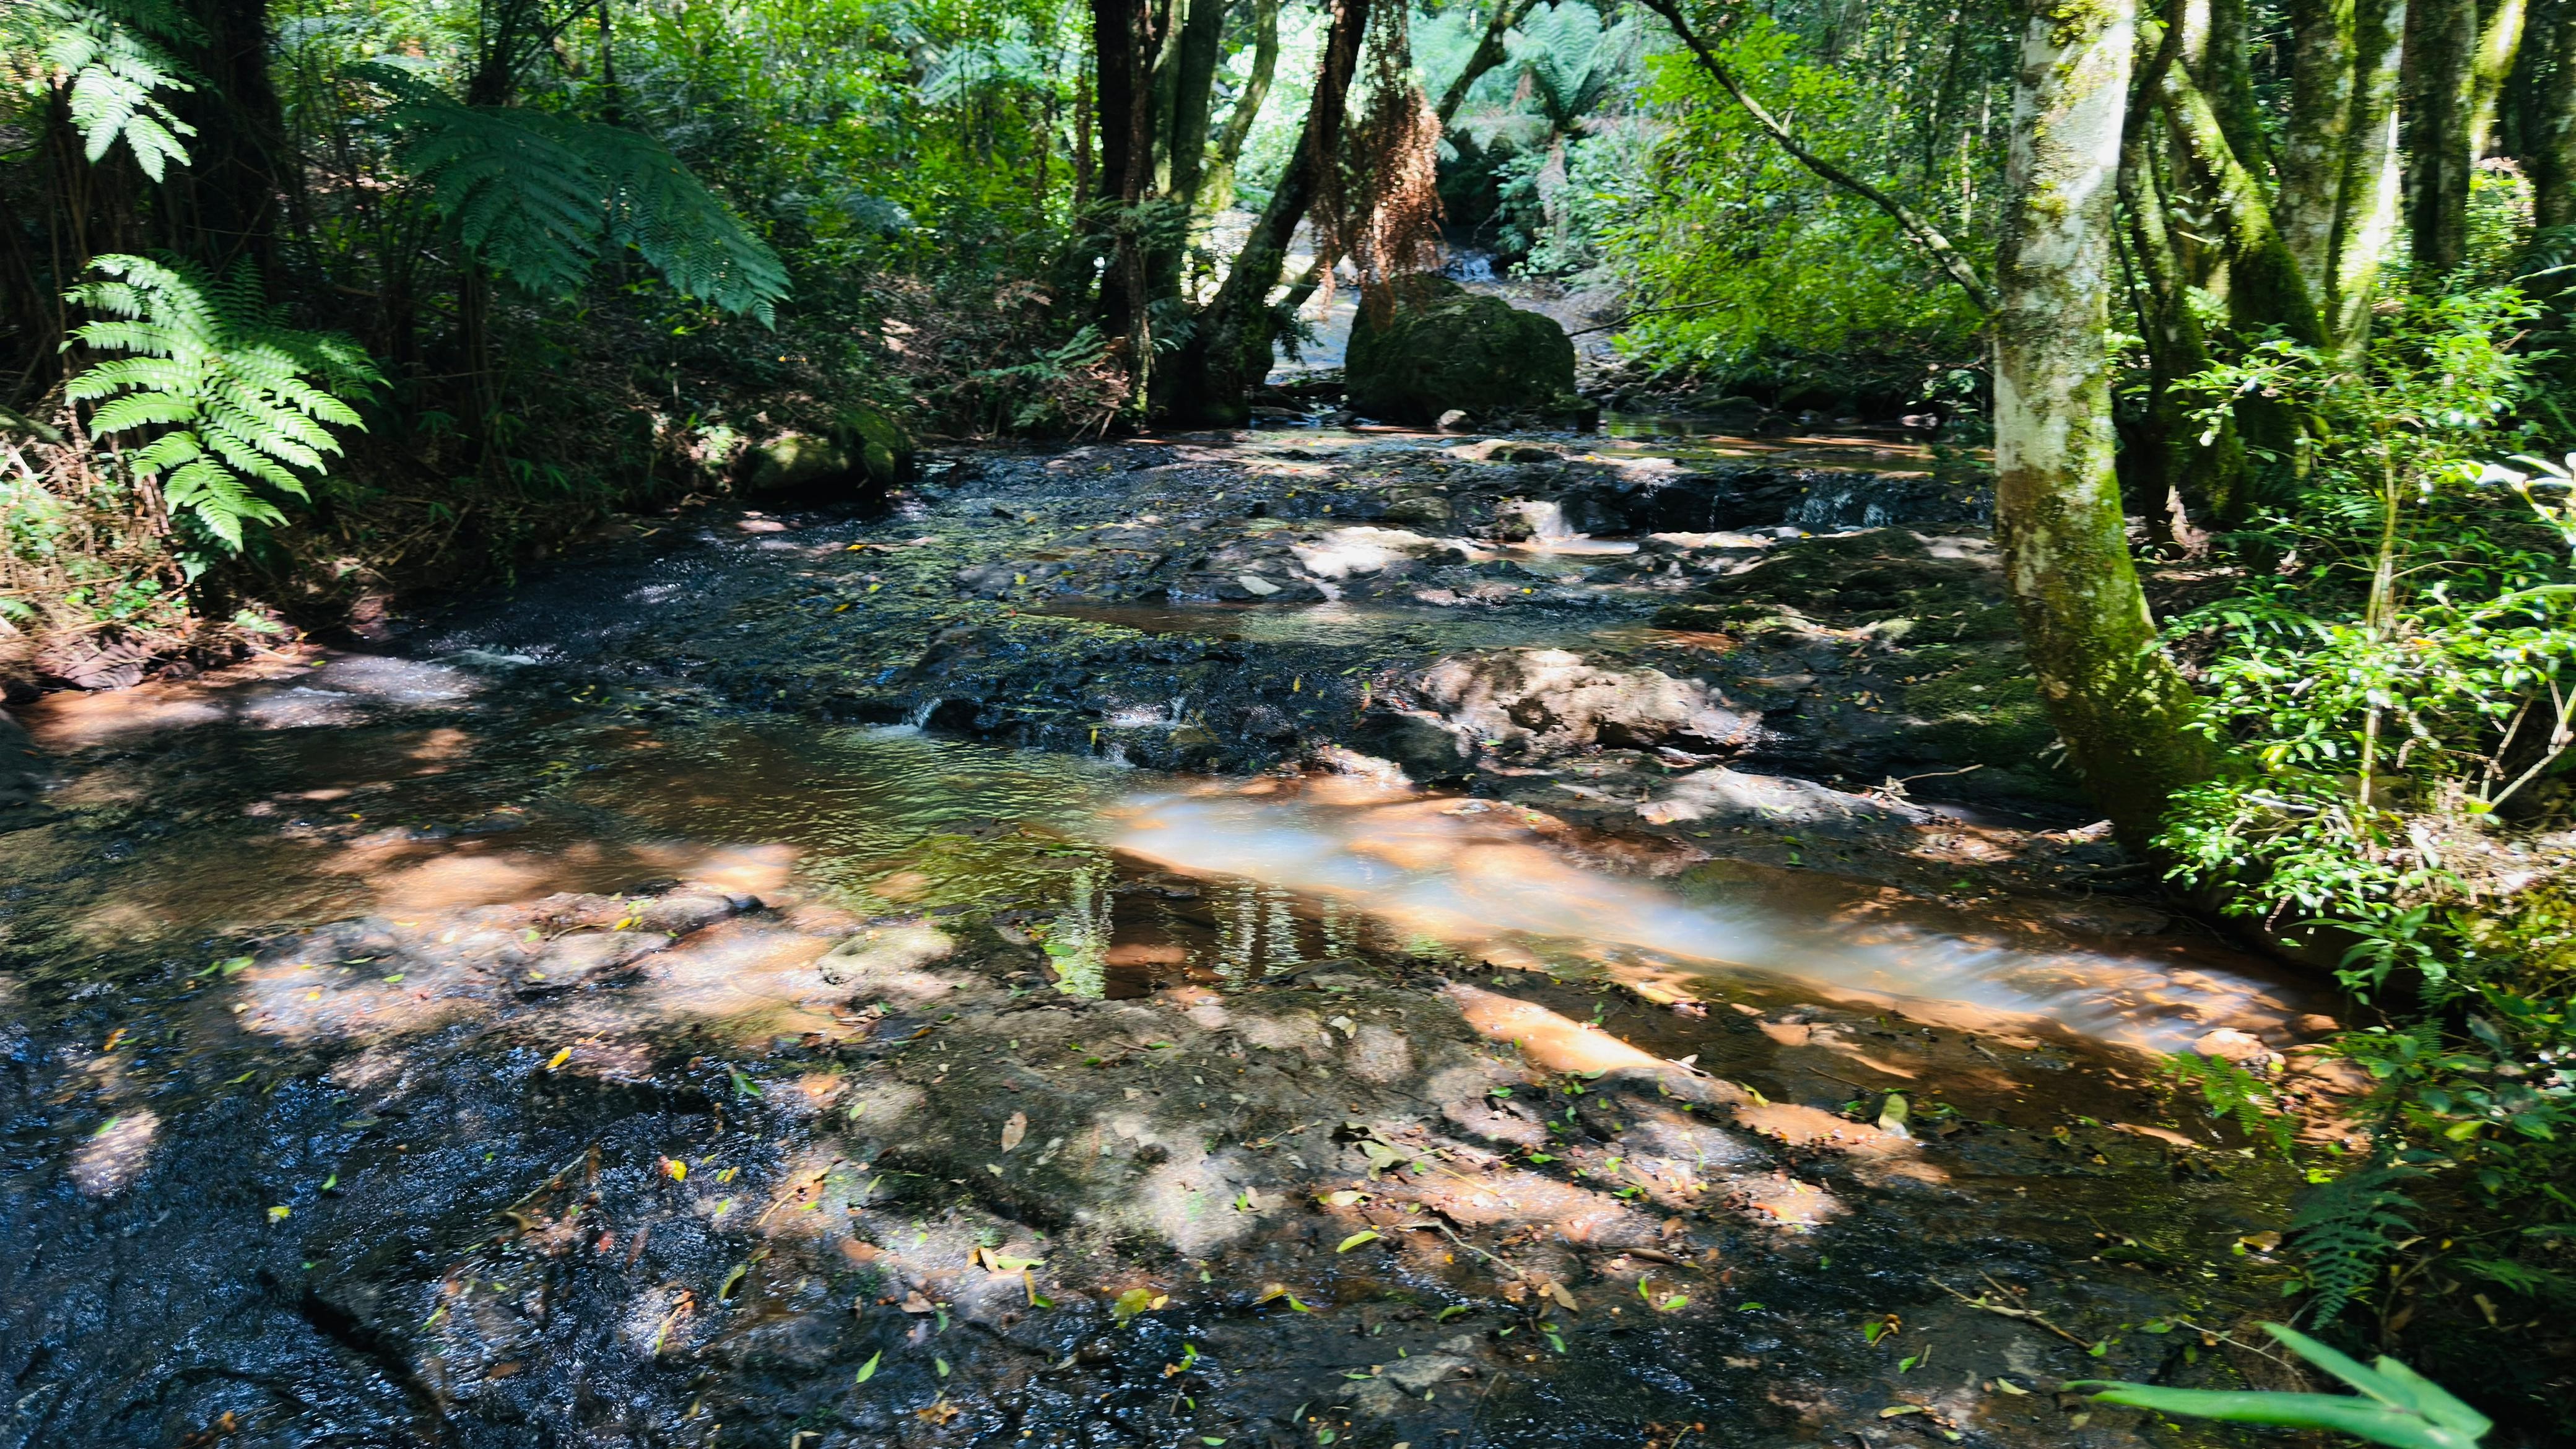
{"x":1444,"y":347}
{"x":865,"y":448}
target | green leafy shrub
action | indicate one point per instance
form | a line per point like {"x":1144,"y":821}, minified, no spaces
{"x":2394,"y":684}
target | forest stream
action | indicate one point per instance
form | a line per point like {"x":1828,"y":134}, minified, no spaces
{"x":1424,"y":941}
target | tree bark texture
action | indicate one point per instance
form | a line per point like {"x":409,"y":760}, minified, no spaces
{"x":1228,"y":348}
{"x":2549,"y":124}
{"x":1216,"y":188}
{"x":2118,"y":703}
{"x":2441,"y":61}
{"x":1122,"y":47}
{"x":235,"y":183}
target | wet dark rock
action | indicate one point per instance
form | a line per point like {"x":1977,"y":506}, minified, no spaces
{"x":1735,"y":499}
{"x":1444,"y":348}
{"x":19,"y":785}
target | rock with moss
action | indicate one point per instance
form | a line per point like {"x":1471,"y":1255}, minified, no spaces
{"x":1443,"y":348}
{"x":865,"y":448}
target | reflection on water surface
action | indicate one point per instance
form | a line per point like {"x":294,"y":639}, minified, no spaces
{"x":289,"y":804}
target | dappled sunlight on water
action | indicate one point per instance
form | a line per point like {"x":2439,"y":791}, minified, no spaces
{"x":1471,"y":874}
{"x":403,"y":820}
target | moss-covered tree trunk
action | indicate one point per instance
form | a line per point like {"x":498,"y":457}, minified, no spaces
{"x":1216,"y":187}
{"x":2116,"y":700}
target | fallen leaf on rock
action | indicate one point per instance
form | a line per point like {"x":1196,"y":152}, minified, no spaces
{"x":913,"y":1302}
{"x":1015,"y":1130}
{"x":1135,"y":1301}
{"x":868,"y":1370}
{"x":1366,"y":1235}
{"x":1557,"y":1291}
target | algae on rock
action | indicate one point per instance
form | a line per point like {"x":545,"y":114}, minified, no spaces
{"x":1444,"y":347}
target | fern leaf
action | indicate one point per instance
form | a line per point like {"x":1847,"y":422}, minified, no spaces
{"x":656,"y":206}
{"x":114,"y":57}
{"x":536,"y":195}
{"x":237,"y":394}
{"x":142,"y":409}
{"x":2347,"y":1229}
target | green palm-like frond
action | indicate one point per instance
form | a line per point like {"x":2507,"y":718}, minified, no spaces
{"x":1568,"y":58}
{"x":244,"y":400}
{"x":112,"y":56}
{"x":657,"y":207}
{"x":536,"y":195}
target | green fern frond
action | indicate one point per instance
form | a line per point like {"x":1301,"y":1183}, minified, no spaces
{"x":657,"y":207}
{"x":1568,"y":57}
{"x":535,"y":196}
{"x":112,"y":56}
{"x":2347,"y":1229}
{"x":244,"y":400}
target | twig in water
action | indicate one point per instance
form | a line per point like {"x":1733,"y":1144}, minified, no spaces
{"x":2027,"y":1315}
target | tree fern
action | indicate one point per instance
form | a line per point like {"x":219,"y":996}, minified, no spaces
{"x":236,"y":403}
{"x":2347,"y":1229}
{"x":1568,"y":58}
{"x":112,"y":57}
{"x":535,"y":196}
{"x":657,"y":207}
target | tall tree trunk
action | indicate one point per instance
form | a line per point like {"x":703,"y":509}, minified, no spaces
{"x":1122,"y":48}
{"x":1229,"y":348}
{"x":1181,"y":141}
{"x":2549,"y":142}
{"x":2441,"y":64}
{"x":2366,"y":201}
{"x":2119,"y":704}
{"x":2499,"y":43}
{"x":2315,"y":133}
{"x":2166,"y":461}
{"x":1216,"y":188}
{"x":235,"y":181}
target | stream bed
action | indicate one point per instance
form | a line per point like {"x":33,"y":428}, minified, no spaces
{"x":607,"y":1015}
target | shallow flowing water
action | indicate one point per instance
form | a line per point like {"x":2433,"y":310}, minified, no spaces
{"x":471,"y":1050}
